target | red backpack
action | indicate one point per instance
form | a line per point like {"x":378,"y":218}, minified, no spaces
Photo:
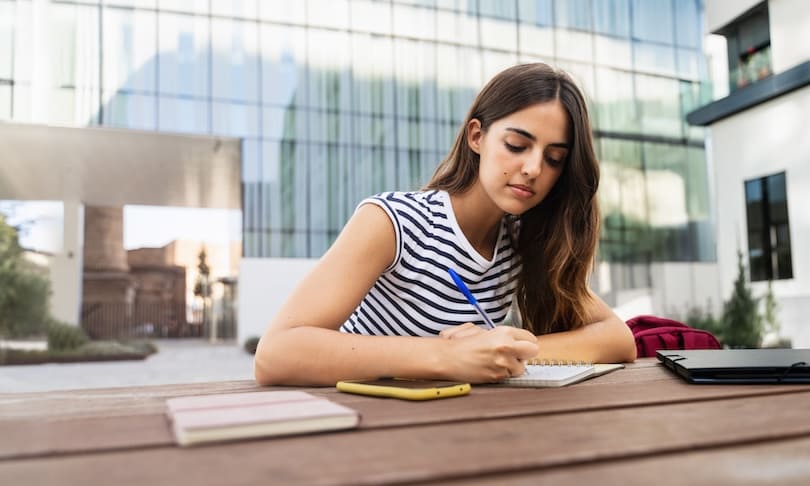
{"x":653,"y":333}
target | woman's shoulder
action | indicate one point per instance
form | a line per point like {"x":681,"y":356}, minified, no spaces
{"x":426,"y":202}
{"x":431,"y":196}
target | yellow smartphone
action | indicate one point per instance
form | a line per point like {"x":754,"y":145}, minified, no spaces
{"x":405,"y":389}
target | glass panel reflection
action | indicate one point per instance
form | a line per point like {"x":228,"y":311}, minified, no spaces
{"x":499,"y":33}
{"x":679,"y":207}
{"x":129,"y":48}
{"x":688,"y":22}
{"x":659,"y":105}
{"x":130,"y":110}
{"x":372,"y":74}
{"x":189,"y":6}
{"x":247,"y":9}
{"x":573,"y":14}
{"x":654,"y":58}
{"x":574,"y":45}
{"x":183,"y":58}
{"x":183,"y":115}
{"x":623,"y":201}
{"x":328,"y":13}
{"x":615,"y":101}
{"x":370,"y":16}
{"x":73,"y":47}
{"x":235,"y":64}
{"x":235,"y":119}
{"x":283,"y":65}
{"x":329,"y":76}
{"x":414,"y":22}
{"x":652,"y":20}
{"x":6,"y":39}
{"x":613,"y":52}
{"x":536,"y":12}
{"x":456,"y":28}
{"x":612,"y":17}
{"x":23,"y":42}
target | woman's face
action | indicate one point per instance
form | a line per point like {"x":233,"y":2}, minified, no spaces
{"x":521,"y":155}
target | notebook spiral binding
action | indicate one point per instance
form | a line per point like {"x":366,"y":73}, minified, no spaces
{"x":557,"y":362}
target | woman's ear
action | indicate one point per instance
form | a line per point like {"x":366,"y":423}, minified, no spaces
{"x":474,"y":135}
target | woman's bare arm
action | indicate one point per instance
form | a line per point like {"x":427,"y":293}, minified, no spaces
{"x":606,"y":339}
{"x":302,"y":345}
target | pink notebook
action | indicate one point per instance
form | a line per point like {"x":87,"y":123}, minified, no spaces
{"x":230,"y":416}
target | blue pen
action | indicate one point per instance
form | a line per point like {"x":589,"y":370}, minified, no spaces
{"x":464,"y":290}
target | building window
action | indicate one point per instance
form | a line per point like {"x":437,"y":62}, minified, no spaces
{"x":749,"y":47}
{"x":768,"y":228}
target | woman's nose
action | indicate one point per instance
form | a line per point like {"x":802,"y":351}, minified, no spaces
{"x":533,"y":167}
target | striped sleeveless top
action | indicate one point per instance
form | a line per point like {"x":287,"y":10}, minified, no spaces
{"x":415,"y":295}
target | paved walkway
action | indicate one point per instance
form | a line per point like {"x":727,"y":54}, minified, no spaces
{"x":177,"y":361}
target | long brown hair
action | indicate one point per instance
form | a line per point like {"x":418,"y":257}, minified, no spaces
{"x":556,"y":240}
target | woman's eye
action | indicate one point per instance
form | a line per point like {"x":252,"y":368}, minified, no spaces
{"x":514,"y":148}
{"x":554,"y":162}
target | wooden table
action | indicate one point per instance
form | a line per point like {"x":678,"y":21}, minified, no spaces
{"x":641,"y":425}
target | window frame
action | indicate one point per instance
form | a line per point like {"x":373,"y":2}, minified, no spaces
{"x":758,"y":264}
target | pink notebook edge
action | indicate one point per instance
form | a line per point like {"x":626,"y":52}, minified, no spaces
{"x":239,"y":399}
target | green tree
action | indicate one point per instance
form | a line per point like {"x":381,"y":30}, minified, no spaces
{"x":23,"y":293}
{"x":701,"y":318}
{"x":202,"y":286}
{"x":742,"y":324}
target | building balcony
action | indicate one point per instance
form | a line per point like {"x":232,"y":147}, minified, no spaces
{"x":755,"y":92}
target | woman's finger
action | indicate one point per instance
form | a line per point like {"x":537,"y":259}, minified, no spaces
{"x":510,"y":367}
{"x":516,"y":368}
{"x":523,"y":350}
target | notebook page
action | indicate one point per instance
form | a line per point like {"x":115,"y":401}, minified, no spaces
{"x":550,"y":375}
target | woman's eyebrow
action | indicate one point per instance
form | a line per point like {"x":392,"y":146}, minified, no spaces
{"x":531,"y":137}
{"x":523,"y":133}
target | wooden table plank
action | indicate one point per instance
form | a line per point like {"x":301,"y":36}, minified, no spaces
{"x":107,"y":402}
{"x":123,"y":419}
{"x":441,"y":451}
{"x":123,"y":401}
{"x":784,"y":463}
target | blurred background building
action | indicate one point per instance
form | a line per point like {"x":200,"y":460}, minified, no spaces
{"x":760,"y":149}
{"x":324,"y":102}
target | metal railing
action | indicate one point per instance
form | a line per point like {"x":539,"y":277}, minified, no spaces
{"x":115,"y":320}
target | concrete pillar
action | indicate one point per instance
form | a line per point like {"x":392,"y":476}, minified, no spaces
{"x":66,"y":266}
{"x":108,"y":289}
{"x":104,"y":239}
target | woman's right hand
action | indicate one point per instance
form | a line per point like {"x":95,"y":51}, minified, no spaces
{"x":489,"y":356}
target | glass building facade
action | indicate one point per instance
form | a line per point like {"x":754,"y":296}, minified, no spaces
{"x":338,"y":99}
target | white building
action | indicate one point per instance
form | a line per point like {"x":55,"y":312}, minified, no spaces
{"x":758,"y":142}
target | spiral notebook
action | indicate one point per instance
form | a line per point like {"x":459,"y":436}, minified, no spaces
{"x":555,"y":374}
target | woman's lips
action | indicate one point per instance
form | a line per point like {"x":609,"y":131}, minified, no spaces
{"x":521,"y":191}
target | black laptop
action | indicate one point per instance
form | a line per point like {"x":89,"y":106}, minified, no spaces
{"x":739,"y":366}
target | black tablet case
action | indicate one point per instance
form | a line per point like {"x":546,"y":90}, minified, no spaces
{"x":739,"y":366}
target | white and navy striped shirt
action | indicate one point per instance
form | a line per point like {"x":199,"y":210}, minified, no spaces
{"x":415,"y":295}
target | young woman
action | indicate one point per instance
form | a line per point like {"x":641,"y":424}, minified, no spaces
{"x":512,"y":209}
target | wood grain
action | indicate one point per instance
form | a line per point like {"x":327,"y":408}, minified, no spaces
{"x":443,"y":451}
{"x":121,"y":419}
{"x":784,"y":462}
